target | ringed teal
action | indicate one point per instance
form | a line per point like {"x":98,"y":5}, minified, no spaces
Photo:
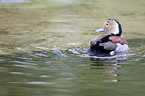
{"x":113,"y":41}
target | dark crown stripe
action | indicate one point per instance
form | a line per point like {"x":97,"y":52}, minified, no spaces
{"x":120,"y":28}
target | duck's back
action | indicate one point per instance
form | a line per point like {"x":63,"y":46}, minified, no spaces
{"x":97,"y":50}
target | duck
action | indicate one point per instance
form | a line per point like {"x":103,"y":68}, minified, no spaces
{"x":113,"y":41}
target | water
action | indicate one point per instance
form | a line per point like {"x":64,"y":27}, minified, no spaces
{"x":43,"y":49}
{"x":14,"y":1}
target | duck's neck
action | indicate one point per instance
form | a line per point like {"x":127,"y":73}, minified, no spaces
{"x":119,"y":27}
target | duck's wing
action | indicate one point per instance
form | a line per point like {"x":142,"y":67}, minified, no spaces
{"x":98,"y":37}
{"x":108,"y":45}
{"x":94,"y":41}
{"x":123,"y":40}
{"x":118,"y":39}
{"x":99,"y":48}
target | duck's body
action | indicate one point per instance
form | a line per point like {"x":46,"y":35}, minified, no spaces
{"x":113,"y":41}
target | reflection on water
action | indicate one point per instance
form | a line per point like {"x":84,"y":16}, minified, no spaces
{"x":109,"y":65}
{"x":43,"y":49}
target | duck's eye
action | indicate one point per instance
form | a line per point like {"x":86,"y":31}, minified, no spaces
{"x":107,"y":24}
{"x":91,"y":42}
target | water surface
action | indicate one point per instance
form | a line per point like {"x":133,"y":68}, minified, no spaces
{"x":43,"y":49}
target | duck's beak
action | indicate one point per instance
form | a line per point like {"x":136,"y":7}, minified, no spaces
{"x":100,"y":30}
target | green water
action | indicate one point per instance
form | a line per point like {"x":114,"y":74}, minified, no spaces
{"x":43,"y":49}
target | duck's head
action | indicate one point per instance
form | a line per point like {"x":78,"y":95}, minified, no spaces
{"x":111,"y":26}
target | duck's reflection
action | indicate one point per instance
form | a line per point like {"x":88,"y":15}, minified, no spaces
{"x":110,"y":66}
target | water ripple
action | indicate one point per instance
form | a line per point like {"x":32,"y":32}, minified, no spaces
{"x":39,"y":83}
{"x":16,"y":73}
{"x":23,"y":62}
{"x":24,"y":66}
{"x":46,"y":76}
